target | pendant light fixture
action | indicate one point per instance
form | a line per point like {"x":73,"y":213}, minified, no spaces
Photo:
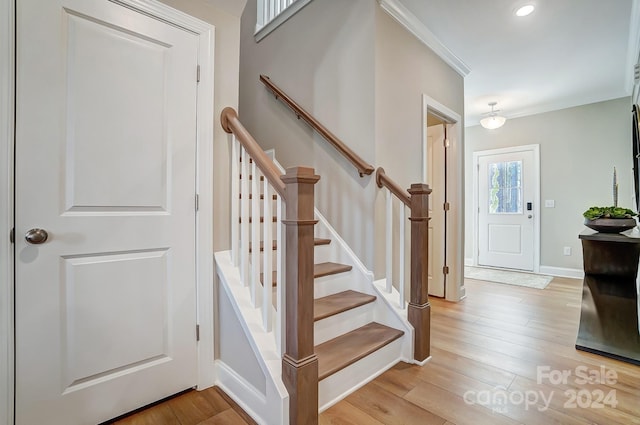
{"x":494,"y":120}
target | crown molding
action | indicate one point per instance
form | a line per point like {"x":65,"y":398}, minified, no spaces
{"x":416,"y":27}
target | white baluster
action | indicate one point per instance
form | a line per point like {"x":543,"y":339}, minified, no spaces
{"x":245,"y":214}
{"x":255,"y":234}
{"x":260,"y":15}
{"x":235,"y":200}
{"x":267,"y":259}
{"x":401,"y":260}
{"x":389,"y":239}
{"x":272,"y":10}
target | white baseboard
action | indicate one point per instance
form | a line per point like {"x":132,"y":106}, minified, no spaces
{"x":548,"y":270}
{"x":562,"y":272}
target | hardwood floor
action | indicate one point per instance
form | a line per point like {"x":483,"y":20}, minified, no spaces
{"x":488,"y":349}
{"x":208,"y":407}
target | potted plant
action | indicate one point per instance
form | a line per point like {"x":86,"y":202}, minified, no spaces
{"x":612,"y":219}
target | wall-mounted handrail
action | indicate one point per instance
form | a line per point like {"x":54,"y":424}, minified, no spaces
{"x":361,"y":165}
{"x":385,"y":181}
{"x":231,"y":124}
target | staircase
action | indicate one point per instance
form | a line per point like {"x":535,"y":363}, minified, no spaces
{"x":285,"y":325}
{"x":357,"y":336}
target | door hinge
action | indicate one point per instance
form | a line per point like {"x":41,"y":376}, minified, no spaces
{"x":446,"y":143}
{"x":447,"y":206}
{"x":197,"y":333}
{"x":198,"y":74}
{"x":197,"y":202}
{"x":12,"y":235}
{"x":445,"y":270}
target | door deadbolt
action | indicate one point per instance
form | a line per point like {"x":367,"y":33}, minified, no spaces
{"x":36,"y":236}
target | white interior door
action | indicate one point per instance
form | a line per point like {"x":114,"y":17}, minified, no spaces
{"x":436,"y":179}
{"x":506,"y":209}
{"x":105,"y":164}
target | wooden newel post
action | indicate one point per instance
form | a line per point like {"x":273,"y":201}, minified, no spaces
{"x":419,"y":311}
{"x":300,"y":364}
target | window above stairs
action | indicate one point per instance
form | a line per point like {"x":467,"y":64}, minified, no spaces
{"x":273,"y":13}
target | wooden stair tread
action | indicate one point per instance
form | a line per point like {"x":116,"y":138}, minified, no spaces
{"x":329,"y":268}
{"x":274,"y":219}
{"x":274,"y":197}
{"x":337,"y":303}
{"x":274,"y":245}
{"x":251,"y":177}
{"x":319,"y":270}
{"x":338,"y":353}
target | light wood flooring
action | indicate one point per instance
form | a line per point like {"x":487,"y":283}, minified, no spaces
{"x":486,"y":349}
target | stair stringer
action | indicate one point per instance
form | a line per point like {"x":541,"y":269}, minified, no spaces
{"x":265,"y":397}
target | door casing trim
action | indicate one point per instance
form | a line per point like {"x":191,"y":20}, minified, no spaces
{"x":7,"y":131}
{"x":535,"y":148}
{"x":204,"y":188}
{"x":454,"y":285}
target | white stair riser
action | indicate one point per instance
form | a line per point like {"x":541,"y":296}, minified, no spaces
{"x":332,"y":284}
{"x":322,"y":254}
{"x":340,"y":384}
{"x":349,"y":320}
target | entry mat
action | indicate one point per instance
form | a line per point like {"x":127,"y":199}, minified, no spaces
{"x":529,"y":280}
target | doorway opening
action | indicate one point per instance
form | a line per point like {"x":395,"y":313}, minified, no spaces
{"x":442,"y":171}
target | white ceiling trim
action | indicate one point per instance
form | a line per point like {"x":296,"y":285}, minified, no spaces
{"x":407,"y":19}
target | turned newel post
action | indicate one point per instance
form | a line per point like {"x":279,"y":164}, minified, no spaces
{"x":300,"y":364}
{"x":419,"y":311}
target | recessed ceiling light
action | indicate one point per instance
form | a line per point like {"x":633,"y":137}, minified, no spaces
{"x":525,"y":10}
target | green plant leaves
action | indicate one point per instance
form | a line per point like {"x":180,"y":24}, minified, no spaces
{"x":608,"y":212}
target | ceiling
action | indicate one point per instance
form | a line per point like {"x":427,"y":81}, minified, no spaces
{"x":566,"y":53}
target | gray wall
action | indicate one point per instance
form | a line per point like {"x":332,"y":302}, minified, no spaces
{"x":323,"y":57}
{"x":362,"y":75}
{"x":578,"y":149}
{"x":405,"y":70}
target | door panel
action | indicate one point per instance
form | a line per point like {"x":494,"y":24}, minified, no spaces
{"x":94,"y":287}
{"x":505,"y":223}
{"x":435,"y":180}
{"x":132,"y":93}
{"x":105,"y":163}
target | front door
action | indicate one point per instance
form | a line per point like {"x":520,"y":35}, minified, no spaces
{"x":105,"y":169}
{"x":506,"y":192}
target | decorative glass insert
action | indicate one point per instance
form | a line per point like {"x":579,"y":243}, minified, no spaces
{"x":505,"y":187}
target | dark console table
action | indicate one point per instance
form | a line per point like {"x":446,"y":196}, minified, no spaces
{"x":609,"y":313}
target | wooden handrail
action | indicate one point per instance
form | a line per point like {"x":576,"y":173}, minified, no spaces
{"x":361,"y":165}
{"x":385,"y":181}
{"x":231,"y":124}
